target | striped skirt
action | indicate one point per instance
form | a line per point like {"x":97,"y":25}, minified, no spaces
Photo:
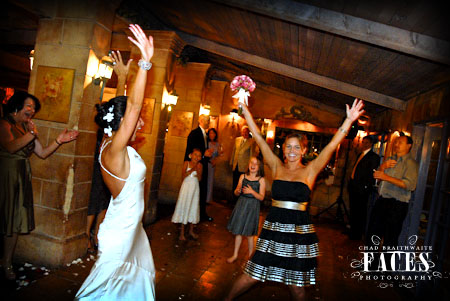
{"x":287,"y":249}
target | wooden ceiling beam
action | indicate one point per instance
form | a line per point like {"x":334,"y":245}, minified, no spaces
{"x":293,"y":72}
{"x":359,"y":29}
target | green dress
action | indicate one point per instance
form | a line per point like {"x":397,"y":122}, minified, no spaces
{"x":16,"y":193}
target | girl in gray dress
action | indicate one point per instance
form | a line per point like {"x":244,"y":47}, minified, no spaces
{"x":244,"y":219}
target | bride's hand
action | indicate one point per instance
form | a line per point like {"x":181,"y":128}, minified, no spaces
{"x":356,"y":110}
{"x":142,"y":42}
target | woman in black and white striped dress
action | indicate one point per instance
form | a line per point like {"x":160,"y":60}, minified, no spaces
{"x":287,"y":247}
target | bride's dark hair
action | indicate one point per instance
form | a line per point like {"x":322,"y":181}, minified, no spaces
{"x":119,"y":104}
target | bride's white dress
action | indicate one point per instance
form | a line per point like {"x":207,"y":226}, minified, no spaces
{"x":124,"y":269}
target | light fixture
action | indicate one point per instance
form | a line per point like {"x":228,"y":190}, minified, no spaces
{"x":169,"y":99}
{"x":104,"y":72}
{"x":270,"y":134}
{"x":205,"y":110}
{"x":31,"y":57}
{"x":363,"y":120}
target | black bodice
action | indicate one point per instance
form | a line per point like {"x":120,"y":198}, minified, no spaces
{"x":290,"y":191}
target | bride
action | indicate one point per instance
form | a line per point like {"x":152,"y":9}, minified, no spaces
{"x":125,"y":268}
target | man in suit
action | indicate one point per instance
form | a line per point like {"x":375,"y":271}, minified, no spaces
{"x":360,"y":187}
{"x":243,"y":149}
{"x":197,"y":139}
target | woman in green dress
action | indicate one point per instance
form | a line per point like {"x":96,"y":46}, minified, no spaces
{"x":18,"y":141}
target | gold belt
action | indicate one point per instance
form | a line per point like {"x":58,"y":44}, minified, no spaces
{"x":290,"y":205}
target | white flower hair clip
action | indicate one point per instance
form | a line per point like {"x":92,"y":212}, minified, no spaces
{"x":108,"y":117}
{"x":108,"y":131}
{"x":111,"y":108}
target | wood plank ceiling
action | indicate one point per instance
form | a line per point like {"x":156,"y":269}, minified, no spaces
{"x":272,"y":42}
{"x":328,"y":51}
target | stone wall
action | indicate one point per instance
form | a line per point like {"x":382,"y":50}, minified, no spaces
{"x":74,"y":37}
{"x":189,"y":83}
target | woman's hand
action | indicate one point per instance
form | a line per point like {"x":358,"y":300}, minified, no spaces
{"x":244,"y":107}
{"x":247,"y":190}
{"x":32,"y":127}
{"x":119,"y":67}
{"x":356,"y":110}
{"x":67,"y":136}
{"x":144,"y":44}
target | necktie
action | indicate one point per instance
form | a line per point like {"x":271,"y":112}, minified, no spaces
{"x":356,"y":164}
{"x":242,"y":142}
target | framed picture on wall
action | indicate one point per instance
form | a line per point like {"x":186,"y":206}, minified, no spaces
{"x":54,"y":91}
{"x":180,"y":124}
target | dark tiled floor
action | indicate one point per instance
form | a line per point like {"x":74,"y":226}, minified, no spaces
{"x":197,"y":270}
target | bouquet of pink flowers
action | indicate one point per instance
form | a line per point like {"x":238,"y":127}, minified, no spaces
{"x":243,"y":85}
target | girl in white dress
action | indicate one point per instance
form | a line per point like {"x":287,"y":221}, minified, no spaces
{"x":124,"y":269}
{"x":187,"y":209}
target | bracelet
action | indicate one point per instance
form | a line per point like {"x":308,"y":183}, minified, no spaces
{"x":56,"y":140}
{"x":144,"y":65}
{"x":343,"y":131}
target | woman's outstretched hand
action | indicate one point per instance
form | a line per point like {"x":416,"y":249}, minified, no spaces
{"x":67,"y":136}
{"x":356,"y":110}
{"x":144,"y":43}
{"x":119,"y":67}
{"x":244,"y":107}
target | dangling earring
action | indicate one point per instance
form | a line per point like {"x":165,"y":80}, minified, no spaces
{"x":15,"y":113}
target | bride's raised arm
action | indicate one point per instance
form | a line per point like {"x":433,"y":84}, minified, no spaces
{"x":136,"y":98}
{"x":319,"y":163}
{"x":271,"y":159}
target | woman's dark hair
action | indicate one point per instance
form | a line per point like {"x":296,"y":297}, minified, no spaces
{"x":260,"y":172}
{"x":17,"y":101}
{"x":119,"y":104}
{"x":214,"y":130}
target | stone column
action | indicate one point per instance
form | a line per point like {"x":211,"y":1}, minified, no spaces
{"x":189,"y":84}
{"x":75,"y":35}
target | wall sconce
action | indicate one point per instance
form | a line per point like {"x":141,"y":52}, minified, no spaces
{"x":363,"y":120}
{"x":234,"y":114}
{"x":170,"y":100}
{"x":31,"y":57}
{"x":104,"y":72}
{"x":270,"y":134}
{"x":205,"y":110}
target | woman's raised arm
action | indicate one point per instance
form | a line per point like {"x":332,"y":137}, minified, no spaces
{"x":136,"y":98}
{"x":319,"y":163}
{"x":271,"y":159}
